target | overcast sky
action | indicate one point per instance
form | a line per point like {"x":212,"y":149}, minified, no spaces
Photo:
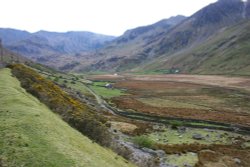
{"x":111,"y":17}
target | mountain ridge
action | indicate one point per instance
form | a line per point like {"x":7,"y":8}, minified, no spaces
{"x":44,"y":44}
{"x":189,"y":33}
{"x":130,"y":46}
{"x":225,"y":53}
{"x":138,"y":49}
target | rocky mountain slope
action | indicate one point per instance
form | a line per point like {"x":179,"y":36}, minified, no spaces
{"x":213,"y":40}
{"x":210,"y":27}
{"x":226,"y":52}
{"x":130,"y":49}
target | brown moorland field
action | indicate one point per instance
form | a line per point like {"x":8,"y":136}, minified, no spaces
{"x":212,"y":80}
{"x":214,"y":98}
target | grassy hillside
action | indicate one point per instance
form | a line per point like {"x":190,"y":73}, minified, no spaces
{"x":226,"y":52}
{"x":77,"y":114}
{"x":32,"y":135}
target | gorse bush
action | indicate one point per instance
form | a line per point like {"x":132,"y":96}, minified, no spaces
{"x":77,"y":114}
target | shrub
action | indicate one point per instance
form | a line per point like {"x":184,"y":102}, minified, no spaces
{"x":77,"y":114}
{"x":56,"y":79}
{"x":176,"y":124}
{"x":143,"y":141}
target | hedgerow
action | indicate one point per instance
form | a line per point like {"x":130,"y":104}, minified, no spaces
{"x":77,"y":114}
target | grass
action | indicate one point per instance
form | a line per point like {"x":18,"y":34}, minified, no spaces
{"x":100,"y":89}
{"x":32,"y":135}
{"x":77,"y":83}
{"x":180,"y":160}
{"x":157,"y":72}
{"x":61,"y":78}
{"x":170,"y":136}
{"x":246,"y":145}
{"x":100,"y":83}
{"x":159,"y":102}
{"x":207,"y":125}
{"x":124,"y":127}
{"x":143,"y":141}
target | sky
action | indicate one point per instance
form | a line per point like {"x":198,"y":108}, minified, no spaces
{"x":110,"y":17}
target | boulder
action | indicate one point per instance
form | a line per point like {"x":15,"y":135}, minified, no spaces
{"x":198,"y":136}
{"x":237,"y":161}
{"x":160,"y":153}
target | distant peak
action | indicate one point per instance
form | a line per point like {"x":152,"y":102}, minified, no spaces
{"x":228,"y":1}
{"x":173,"y":20}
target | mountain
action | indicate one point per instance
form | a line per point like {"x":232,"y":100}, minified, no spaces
{"x":43,"y":45}
{"x":226,"y":52}
{"x":130,"y":47}
{"x":10,"y":36}
{"x":7,"y":57}
{"x":74,"y":42}
{"x":181,"y":44}
{"x":168,"y":47}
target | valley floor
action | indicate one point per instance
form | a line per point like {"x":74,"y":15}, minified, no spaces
{"x":212,"y":105}
{"x":212,"y":80}
{"x":212,"y":98}
{"x":194,"y":119}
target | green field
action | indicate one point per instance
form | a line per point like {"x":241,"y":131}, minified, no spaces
{"x":100,"y":89}
{"x":32,"y":135}
{"x":79,"y":84}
